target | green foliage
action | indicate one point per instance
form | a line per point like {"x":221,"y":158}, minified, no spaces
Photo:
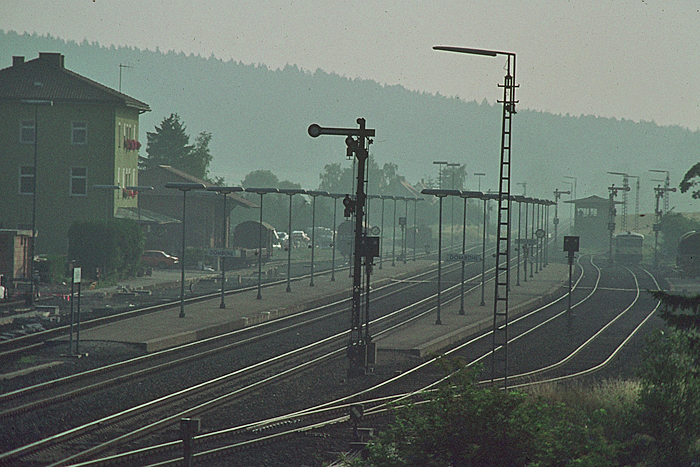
{"x":51,"y":268}
{"x":670,"y":398}
{"x":260,"y":179}
{"x":463,"y":424}
{"x":381,"y":180}
{"x":691,"y":179}
{"x":115,"y":246}
{"x":170,"y":145}
{"x":680,"y":312}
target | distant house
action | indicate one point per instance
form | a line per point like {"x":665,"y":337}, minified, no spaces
{"x":61,"y":134}
{"x":204,"y":221}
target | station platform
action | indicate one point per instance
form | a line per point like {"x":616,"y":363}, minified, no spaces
{"x":163,"y":329}
{"x":423,"y":336}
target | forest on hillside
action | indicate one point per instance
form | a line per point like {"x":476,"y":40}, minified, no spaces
{"x":258,"y":119}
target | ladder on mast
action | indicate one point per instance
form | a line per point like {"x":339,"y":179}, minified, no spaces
{"x":499,"y":356}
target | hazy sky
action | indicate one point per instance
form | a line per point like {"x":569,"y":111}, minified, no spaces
{"x":632,"y":59}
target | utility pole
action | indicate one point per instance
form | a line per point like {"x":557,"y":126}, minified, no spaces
{"x":625,"y":187}
{"x":659,"y":192}
{"x":667,"y":188}
{"x":555,"y":221}
{"x":612,"y":212}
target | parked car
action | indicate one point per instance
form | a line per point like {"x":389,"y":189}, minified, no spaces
{"x":300,"y":239}
{"x":283,"y":239}
{"x":159,"y":259}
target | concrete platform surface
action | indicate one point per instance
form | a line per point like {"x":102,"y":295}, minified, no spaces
{"x":164,"y":329}
{"x":423,"y":336}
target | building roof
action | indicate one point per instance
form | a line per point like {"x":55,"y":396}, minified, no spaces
{"x":165,"y":173}
{"x":144,"y":216}
{"x":46,"y":78}
{"x":591,"y":202}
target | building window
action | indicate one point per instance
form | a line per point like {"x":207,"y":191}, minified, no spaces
{"x":78,"y":181}
{"x":79,"y":133}
{"x":26,"y":180}
{"x":27,"y":131}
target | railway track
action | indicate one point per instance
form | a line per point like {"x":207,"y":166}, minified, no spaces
{"x":62,"y":395}
{"x":570,"y":364}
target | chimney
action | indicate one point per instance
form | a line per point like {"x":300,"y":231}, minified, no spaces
{"x":17,"y":60}
{"x":53,"y":58}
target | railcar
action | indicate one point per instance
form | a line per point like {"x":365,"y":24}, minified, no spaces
{"x":247,"y":239}
{"x":688,"y":258}
{"x":627,"y":247}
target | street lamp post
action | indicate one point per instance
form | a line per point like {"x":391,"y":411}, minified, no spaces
{"x":479,"y":175}
{"x":557,"y":196}
{"x":262,"y":192}
{"x":225,"y":191}
{"x":291,"y":192}
{"x":486,"y":197}
{"x":381,"y":236}
{"x":465,"y":195}
{"x":440,"y":195}
{"x":415,"y":224}
{"x":440,"y":164}
{"x":519,"y":200}
{"x":525,"y":246}
{"x":404,"y":226}
{"x":184,"y":188}
{"x":573,"y":194}
{"x":393,"y":241}
{"x":314,"y":195}
{"x":35,"y":103}
{"x":453,"y":166}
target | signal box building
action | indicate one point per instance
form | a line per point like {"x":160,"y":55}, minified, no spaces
{"x":591,"y":219}
{"x":60,"y":135}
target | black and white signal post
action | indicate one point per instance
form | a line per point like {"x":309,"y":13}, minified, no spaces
{"x":366,"y":247}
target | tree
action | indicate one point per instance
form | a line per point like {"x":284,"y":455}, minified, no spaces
{"x":670,"y":395}
{"x":336,"y":179}
{"x":691,"y":179}
{"x":453,"y":177}
{"x":200,"y":157}
{"x":170,"y":145}
{"x":260,"y":179}
{"x":115,"y":245}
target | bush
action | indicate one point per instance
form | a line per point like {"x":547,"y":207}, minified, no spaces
{"x":51,"y":268}
{"x":670,"y":398}
{"x":114,"y":246}
{"x":463,"y":424}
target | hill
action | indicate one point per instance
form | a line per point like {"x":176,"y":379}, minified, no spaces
{"x":259,"y":116}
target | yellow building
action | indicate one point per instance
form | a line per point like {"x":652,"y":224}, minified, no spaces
{"x":66,"y":143}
